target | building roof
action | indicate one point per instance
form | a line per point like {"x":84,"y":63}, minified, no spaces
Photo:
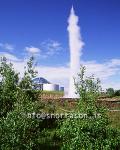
{"x":40,"y":80}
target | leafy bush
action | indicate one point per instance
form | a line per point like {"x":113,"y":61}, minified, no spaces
{"x":91,"y":133}
{"x":17,"y":99}
{"x":21,"y":129}
{"x":17,"y":130}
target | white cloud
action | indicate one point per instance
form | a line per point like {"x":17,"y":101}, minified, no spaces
{"x":111,"y":84}
{"x":47,"y":48}
{"x":103,"y":70}
{"x":53,"y":73}
{"x":61,"y":74}
{"x":106,"y":71}
{"x":51,"y":47}
{"x":7,"y":46}
{"x":114,"y":62}
{"x":9,"y":56}
{"x":19,"y":67}
{"x":55,"y":44}
{"x":32,"y":49}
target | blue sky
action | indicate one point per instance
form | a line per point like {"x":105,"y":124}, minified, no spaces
{"x":40,"y":27}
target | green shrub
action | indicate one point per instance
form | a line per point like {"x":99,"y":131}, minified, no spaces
{"x":18,"y":101}
{"x":21,"y":129}
{"x":91,"y":133}
{"x":17,"y":130}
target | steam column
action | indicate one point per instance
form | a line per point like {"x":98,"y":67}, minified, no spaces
{"x":75,"y":45}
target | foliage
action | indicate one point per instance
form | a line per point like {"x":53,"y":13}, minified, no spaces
{"x":117,"y":93}
{"x":20,"y":131}
{"x":19,"y":126}
{"x":92,"y":132}
{"x":89,"y":90}
{"x":29,"y":74}
{"x":17,"y":130}
{"x":8,"y":87}
{"x":110,"y":92}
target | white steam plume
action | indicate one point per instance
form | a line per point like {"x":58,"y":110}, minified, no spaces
{"x":75,"y":45}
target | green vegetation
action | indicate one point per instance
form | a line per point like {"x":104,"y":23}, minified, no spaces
{"x":53,"y":92}
{"x":91,"y":133}
{"x":115,"y":119}
{"x":17,"y":100}
{"x":117,"y":93}
{"x":19,"y":130}
{"x":110,"y":92}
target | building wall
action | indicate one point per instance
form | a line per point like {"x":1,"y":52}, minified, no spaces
{"x":50,"y":87}
{"x":62,"y":89}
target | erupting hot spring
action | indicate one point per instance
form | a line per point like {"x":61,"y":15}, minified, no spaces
{"x":75,"y":46}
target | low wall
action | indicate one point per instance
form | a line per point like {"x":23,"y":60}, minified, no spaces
{"x":110,"y":104}
{"x":113,"y":103}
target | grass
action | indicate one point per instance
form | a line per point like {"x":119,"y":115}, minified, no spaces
{"x":115,"y":119}
{"x":56,"y":107}
{"x":118,"y":97}
{"x":53,"y":92}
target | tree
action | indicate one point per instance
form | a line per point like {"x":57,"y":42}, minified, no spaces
{"x":8,"y":87}
{"x":94,"y":131}
{"x":29,"y":74}
{"x":26,"y":82}
{"x":17,"y":130}
{"x":117,"y":93}
{"x":110,"y":92}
